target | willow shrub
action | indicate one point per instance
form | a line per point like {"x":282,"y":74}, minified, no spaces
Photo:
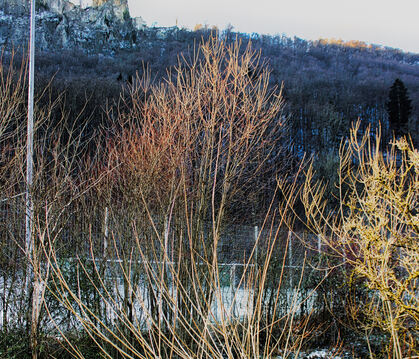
{"x":181,"y":160}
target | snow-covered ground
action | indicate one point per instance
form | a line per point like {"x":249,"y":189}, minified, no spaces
{"x":319,"y":354}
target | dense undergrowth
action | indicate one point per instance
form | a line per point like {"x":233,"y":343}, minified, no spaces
{"x":183,"y":225}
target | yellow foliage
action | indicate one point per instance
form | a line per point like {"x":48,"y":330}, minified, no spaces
{"x":376,"y":232}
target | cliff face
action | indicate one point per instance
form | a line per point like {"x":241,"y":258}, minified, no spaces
{"x":20,"y":7}
{"x":93,"y":25}
{"x":118,"y":7}
{"x":15,"y":7}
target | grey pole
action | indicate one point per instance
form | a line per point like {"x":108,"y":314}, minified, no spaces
{"x":29,"y":147}
{"x":29,"y":245}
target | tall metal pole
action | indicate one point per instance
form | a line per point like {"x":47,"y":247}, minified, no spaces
{"x":29,"y":144}
{"x":29,"y":245}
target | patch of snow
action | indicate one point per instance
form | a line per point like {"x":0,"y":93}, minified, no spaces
{"x":324,"y":353}
{"x":316,"y":354}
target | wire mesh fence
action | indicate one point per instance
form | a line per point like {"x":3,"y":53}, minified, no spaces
{"x":110,"y":238}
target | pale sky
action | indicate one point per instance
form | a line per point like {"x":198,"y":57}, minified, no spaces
{"x":392,"y":23}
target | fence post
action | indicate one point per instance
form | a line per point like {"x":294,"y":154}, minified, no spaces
{"x":290,"y":258}
{"x":256,"y":235}
{"x":319,"y":244}
{"x":232,"y":278}
{"x":106,"y":232}
{"x":319,"y":248}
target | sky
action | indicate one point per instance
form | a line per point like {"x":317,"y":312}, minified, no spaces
{"x":393,"y":23}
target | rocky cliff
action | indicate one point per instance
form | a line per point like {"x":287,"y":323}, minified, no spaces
{"x":93,"y":25}
{"x":15,"y":7}
{"x":20,"y":7}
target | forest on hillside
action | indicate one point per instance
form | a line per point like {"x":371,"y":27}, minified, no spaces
{"x":327,"y":84}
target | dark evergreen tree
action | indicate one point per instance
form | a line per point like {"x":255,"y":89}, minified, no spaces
{"x":399,"y":108}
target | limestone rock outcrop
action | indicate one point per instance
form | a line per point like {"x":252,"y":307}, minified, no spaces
{"x":15,"y":7}
{"x":92,"y":25}
{"x":119,"y":8}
